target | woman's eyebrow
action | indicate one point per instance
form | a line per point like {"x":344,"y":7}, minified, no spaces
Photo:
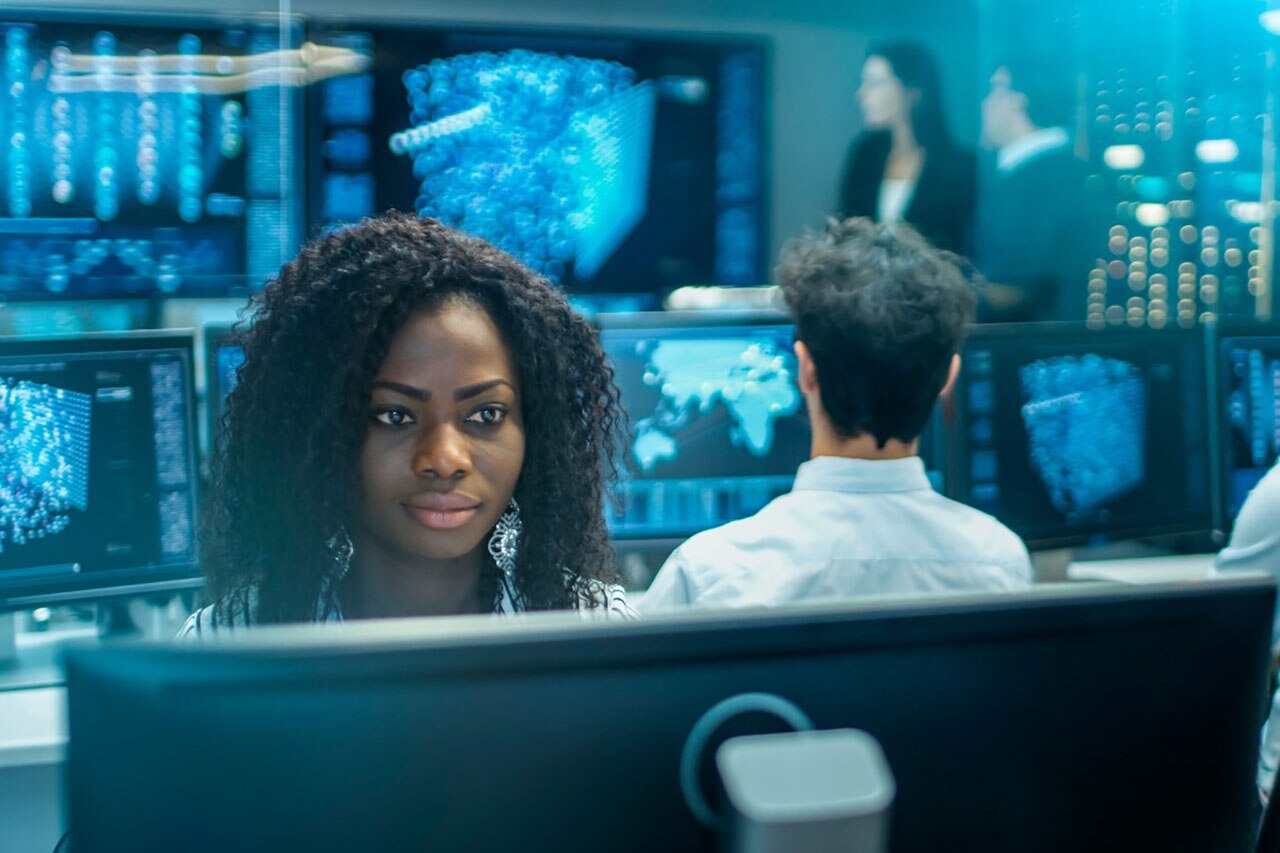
{"x":479,"y":388}
{"x":407,"y":390}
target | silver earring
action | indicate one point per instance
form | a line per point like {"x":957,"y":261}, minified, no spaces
{"x":341,"y":550}
{"x":504,"y":542}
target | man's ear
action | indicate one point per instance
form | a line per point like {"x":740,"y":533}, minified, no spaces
{"x":808,"y":372}
{"x":952,"y":374}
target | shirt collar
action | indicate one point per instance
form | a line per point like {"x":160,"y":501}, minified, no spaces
{"x":841,"y":474}
{"x":1032,"y":145}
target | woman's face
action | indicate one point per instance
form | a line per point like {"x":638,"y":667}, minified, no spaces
{"x":883,"y":99}
{"x":445,"y":437}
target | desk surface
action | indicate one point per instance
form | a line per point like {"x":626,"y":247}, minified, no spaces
{"x":1174,"y":569}
{"x":33,"y":730}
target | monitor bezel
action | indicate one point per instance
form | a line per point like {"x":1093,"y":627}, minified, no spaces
{"x":555,"y":646}
{"x":1218,"y":334}
{"x":958,"y":477}
{"x":138,"y":580}
{"x":318,"y":25}
{"x":241,"y":284}
{"x":658,"y":321}
{"x":216,"y":335}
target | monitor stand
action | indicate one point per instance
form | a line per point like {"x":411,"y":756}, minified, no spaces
{"x":8,"y":641}
{"x":1051,"y":566}
{"x":34,"y":659}
{"x":115,"y":621}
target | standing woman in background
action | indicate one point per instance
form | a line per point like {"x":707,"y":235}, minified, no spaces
{"x":905,"y":165}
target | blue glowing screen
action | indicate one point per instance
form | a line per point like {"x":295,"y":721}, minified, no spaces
{"x":97,"y":473}
{"x":1168,"y":101}
{"x":719,"y":424}
{"x":609,"y":164}
{"x":1065,"y":435}
{"x":141,"y":158}
{"x":1251,"y":412}
{"x":1074,"y":404}
{"x":44,"y":459}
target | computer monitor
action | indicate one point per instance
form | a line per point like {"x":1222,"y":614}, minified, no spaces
{"x":97,"y":467}
{"x":1091,"y":718}
{"x":146,"y":155}
{"x":611,"y":161}
{"x":1069,"y":435}
{"x":718,"y":422}
{"x":1248,"y":360}
{"x":222,"y":360}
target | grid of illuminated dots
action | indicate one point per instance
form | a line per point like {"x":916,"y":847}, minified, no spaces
{"x":1162,"y":292}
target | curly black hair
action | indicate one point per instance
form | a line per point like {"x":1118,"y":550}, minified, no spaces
{"x":285,"y":459}
{"x":882,"y":313}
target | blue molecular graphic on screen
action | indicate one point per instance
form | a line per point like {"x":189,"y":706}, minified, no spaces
{"x":754,"y":379}
{"x":1086,"y":426}
{"x":546,"y":156}
{"x":44,"y":459}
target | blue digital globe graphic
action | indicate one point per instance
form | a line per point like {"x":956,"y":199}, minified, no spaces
{"x":44,"y":459}
{"x":546,"y":156}
{"x":1086,"y":426}
{"x":753,"y":379}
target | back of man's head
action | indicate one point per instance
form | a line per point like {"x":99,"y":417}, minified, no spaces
{"x":882,"y":313}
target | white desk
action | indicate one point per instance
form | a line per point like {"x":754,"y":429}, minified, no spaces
{"x":1189,"y":567}
{"x":33,"y":747}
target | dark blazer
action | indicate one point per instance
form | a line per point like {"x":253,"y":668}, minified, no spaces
{"x":942,"y":207}
{"x":1038,"y":231}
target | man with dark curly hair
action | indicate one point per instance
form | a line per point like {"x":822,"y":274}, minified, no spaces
{"x":421,"y":426}
{"x":880,"y":316}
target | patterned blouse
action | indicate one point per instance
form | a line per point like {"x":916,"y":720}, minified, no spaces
{"x":594,"y":597}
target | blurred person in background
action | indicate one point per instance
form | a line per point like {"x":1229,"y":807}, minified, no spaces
{"x":1036,"y":226}
{"x":905,"y":167}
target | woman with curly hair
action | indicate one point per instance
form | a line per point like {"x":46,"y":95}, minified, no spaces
{"x":421,"y":426}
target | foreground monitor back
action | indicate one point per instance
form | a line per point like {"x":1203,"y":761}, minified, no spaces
{"x":145,"y":155}
{"x":1067,"y":434}
{"x":98,"y":472}
{"x":612,"y":162}
{"x":1096,"y":719}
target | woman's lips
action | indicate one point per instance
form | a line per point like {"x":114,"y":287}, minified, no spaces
{"x":443,"y":510}
{"x":442,"y":519}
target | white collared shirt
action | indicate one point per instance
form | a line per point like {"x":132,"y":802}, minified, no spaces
{"x":1255,"y":547}
{"x":848,"y":528}
{"x":1032,"y":145}
{"x":894,"y":199}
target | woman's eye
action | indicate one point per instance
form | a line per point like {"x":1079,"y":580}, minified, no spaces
{"x":488,"y":416}
{"x":393,"y":417}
